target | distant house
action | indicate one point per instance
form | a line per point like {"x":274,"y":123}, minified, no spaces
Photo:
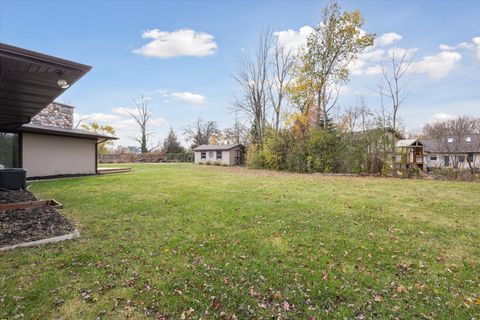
{"x":447,"y":152}
{"x":410,"y":153}
{"x":452,"y":152}
{"x":227,"y":154}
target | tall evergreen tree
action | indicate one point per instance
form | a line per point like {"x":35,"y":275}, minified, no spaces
{"x":171,"y":143}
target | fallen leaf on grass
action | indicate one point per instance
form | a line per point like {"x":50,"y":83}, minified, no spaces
{"x":216,"y":304}
{"x":401,"y":289}
{"x":378,"y":298}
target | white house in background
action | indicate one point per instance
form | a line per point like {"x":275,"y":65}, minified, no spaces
{"x":446,"y":152}
{"x":227,"y":154}
{"x":450,"y":152}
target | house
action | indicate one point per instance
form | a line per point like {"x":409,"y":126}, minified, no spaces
{"x":409,"y":153}
{"x":227,"y":154}
{"x":452,"y":152}
{"x":36,"y":133}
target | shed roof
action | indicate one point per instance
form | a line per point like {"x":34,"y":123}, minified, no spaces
{"x":214,"y":147}
{"x":28,"y":82}
{"x":65,"y":132}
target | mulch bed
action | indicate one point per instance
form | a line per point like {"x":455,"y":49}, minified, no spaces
{"x":25,"y":225}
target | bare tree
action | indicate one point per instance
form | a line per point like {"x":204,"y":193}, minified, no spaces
{"x":239,"y":131}
{"x":142,"y":117}
{"x":283,"y":62}
{"x":457,"y":136}
{"x":357,"y":117}
{"x":252,"y":78}
{"x":393,"y":76}
{"x":83,"y":119}
{"x":200,"y":132}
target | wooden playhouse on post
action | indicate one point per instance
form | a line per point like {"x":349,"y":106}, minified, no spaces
{"x":410,"y":153}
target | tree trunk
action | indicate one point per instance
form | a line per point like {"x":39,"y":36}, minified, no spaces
{"x":394,"y":142}
{"x":277,"y":121}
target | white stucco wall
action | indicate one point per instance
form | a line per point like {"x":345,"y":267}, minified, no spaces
{"x":48,"y":155}
{"x":440,"y":162}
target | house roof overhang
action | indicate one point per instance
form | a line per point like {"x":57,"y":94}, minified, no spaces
{"x":28,"y":83}
{"x":63,"y":132}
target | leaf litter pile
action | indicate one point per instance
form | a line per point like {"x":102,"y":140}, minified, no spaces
{"x":24,"y":225}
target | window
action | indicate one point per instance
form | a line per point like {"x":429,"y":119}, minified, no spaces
{"x":9,"y":150}
{"x":446,"y":160}
{"x":433,"y":158}
{"x":450,"y":140}
{"x":203,"y":155}
{"x":468,"y":139}
{"x":219,"y":155}
{"x":470,"y":157}
{"x":461,"y":158}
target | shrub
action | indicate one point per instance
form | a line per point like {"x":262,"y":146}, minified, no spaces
{"x":276,"y":149}
{"x":255,"y":158}
{"x":454,"y":174}
{"x":323,"y":150}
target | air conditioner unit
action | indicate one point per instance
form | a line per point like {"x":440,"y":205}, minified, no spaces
{"x":13,"y":179}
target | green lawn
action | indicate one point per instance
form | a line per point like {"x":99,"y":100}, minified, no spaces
{"x":215,"y":242}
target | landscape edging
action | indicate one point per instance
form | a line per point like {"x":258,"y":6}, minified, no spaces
{"x":69,"y":236}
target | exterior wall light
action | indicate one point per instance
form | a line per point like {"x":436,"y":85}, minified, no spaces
{"x":62,"y":83}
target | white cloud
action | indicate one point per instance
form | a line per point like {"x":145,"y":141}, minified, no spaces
{"x":476,"y":42}
{"x":437,"y":66}
{"x":473,"y":45}
{"x":446,"y":47}
{"x":183,"y":42}
{"x":466,"y":45}
{"x":356,"y":66}
{"x":125,"y":111}
{"x":95,"y":117}
{"x":361,"y":64}
{"x":124,"y":124}
{"x":441,"y":116}
{"x":461,"y":45}
{"x":387,"y":39}
{"x":293,"y":40}
{"x":400,"y":52}
{"x":376,"y":69}
{"x":189,"y":97}
{"x":374,"y":55}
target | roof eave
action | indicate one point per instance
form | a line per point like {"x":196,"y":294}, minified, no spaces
{"x":64,"y":133}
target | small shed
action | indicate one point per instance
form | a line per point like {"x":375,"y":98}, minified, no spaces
{"x":226,"y":154}
{"x":410,"y":153}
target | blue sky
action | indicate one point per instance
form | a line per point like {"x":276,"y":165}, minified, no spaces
{"x":189,"y":74}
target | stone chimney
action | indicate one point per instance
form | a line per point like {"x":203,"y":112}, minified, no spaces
{"x":55,"y":115}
